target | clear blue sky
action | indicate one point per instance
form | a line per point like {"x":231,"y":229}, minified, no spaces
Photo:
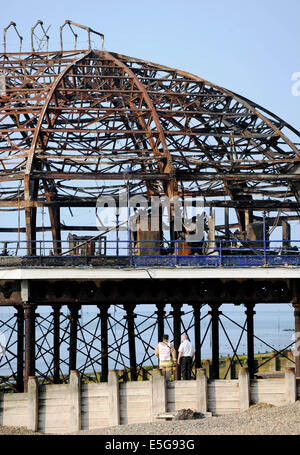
{"x":250,"y":47}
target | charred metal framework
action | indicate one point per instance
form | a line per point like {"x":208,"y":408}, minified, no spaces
{"x":79,"y":124}
{"x":71,"y":120}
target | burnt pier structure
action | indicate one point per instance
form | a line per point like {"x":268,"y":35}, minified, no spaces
{"x":90,"y":134}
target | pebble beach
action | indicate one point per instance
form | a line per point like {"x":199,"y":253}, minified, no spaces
{"x":260,"y":419}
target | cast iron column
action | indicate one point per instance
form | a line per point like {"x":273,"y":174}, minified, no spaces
{"x":250,"y":338}
{"x":104,"y":341}
{"x":29,"y":315}
{"x":129,"y":307}
{"x":197,"y":335}
{"x":74,"y":309}
{"x":56,"y":343}
{"x":20,"y":348}
{"x":160,"y":320}
{"x":297,"y":338}
{"x":176,"y":313}
{"x":215,"y":339}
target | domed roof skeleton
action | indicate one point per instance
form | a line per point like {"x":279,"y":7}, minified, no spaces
{"x":89,"y":115}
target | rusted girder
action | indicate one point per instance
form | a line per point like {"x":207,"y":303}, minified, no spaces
{"x":70,"y":118}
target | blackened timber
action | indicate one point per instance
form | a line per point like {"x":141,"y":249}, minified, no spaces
{"x":30,"y":215}
{"x":131,"y":339}
{"x":255,"y":176}
{"x":104,"y":341}
{"x":54,"y":215}
{"x":160,"y":320}
{"x":56,"y":343}
{"x":188,"y":177}
{"x":250,"y":338}
{"x":255,"y":204}
{"x":215,"y":340}
{"x":177,"y":313}
{"x":29,"y":315}
{"x":74,"y":309}
{"x":20,"y":349}
{"x":197,"y":334}
{"x":100,"y":175}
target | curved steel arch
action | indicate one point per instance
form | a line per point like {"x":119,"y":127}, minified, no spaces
{"x":29,"y":191}
{"x":169,"y":168}
{"x":169,"y":125}
{"x":237,"y":97}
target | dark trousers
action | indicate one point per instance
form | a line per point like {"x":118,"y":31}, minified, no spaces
{"x":186,"y":367}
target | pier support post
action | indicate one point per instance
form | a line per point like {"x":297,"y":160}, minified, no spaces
{"x":250,"y":338}
{"x":160,"y":320}
{"x":29,"y":315}
{"x":104,"y":341}
{"x":56,"y":350}
{"x":20,"y":348}
{"x":215,"y":340}
{"x":74,"y":309}
{"x":177,"y":313}
{"x":129,"y":307}
{"x":197,"y":334}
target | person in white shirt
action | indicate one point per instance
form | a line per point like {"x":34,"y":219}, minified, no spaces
{"x":186,"y":357}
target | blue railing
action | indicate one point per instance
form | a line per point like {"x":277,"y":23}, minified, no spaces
{"x":219,"y":253}
{"x":214,"y":253}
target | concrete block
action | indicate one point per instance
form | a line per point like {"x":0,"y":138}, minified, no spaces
{"x":159,"y":393}
{"x":24,"y":291}
{"x":114,"y":398}
{"x":75,"y":401}
{"x":32,"y":396}
{"x":290,"y":385}
{"x":244,"y":388}
{"x":202,"y":395}
{"x":273,"y":362}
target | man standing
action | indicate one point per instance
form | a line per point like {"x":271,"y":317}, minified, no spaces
{"x":166,"y":355}
{"x":194,"y":233}
{"x":186,"y":357}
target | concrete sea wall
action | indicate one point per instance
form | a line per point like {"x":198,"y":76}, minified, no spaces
{"x":70,"y":407}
